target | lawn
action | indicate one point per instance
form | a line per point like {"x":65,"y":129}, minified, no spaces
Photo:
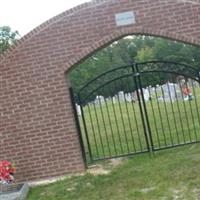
{"x":168,"y":174}
{"x":116,"y":129}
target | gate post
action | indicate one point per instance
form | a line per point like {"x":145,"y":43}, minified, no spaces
{"x":78,"y":126}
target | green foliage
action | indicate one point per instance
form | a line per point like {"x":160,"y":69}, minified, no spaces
{"x":7,"y":37}
{"x":145,"y":54}
{"x":133,"y":49}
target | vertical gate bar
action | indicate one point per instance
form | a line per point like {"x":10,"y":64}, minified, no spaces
{"x":172,"y":106}
{"x":135,"y":74}
{"x":145,"y":109}
{"x":109,"y":119}
{"x":118,"y":133}
{"x":136,"y":121}
{"x":158,"y":105}
{"x":179,"y":112}
{"x":191,"y":110}
{"x":122,"y":118}
{"x":169,"y":127}
{"x":120,"y":107}
{"x":105,"y":127}
{"x":188,"y":126}
{"x":98,"y":128}
{"x":137,"y":126}
{"x":188,"y":117}
{"x":78,"y":126}
{"x":155,"y":122}
{"x":129,"y":122}
{"x":197,"y":108}
{"x":95,"y":140}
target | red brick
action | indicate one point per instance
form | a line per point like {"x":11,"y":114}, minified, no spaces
{"x":36,"y":115}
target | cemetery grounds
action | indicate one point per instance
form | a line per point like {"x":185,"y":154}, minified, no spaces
{"x":116,"y":128}
{"x":167,"y":174}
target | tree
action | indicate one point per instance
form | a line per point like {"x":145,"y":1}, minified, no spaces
{"x":7,"y":37}
{"x":145,"y":54}
{"x":128,"y":50}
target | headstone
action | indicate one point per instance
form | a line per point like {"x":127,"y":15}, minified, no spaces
{"x":152,"y":92}
{"x":179,"y":95}
{"x":134,"y":96}
{"x":158,"y":93}
{"x":99,"y":100}
{"x":171,"y":92}
{"x":121,"y":96}
{"x":128,"y":97}
{"x":193,"y":83}
{"x":78,"y":110}
{"x":114,"y":99}
{"x":146,"y":94}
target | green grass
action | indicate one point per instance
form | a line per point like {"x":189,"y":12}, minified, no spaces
{"x":169,"y":174}
{"x":117,"y":129}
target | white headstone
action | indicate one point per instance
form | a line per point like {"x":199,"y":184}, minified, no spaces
{"x":146,"y":94}
{"x":158,"y":92}
{"x":114,"y":99}
{"x":78,"y":110}
{"x":152,"y":91}
{"x":128,"y":97}
{"x":171,"y":92}
{"x":99,"y":100}
{"x":121,"y":96}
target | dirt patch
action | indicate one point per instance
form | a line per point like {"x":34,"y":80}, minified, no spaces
{"x":196,"y":193}
{"x":106,"y":167}
{"x":146,"y":190}
{"x":97,"y":170}
{"x":178,"y":193}
{"x":116,"y":162}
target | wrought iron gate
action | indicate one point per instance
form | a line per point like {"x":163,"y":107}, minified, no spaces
{"x":141,"y":107}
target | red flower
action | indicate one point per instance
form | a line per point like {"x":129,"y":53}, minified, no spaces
{"x":6,"y":171}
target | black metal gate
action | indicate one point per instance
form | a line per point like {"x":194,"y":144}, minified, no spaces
{"x":141,"y":107}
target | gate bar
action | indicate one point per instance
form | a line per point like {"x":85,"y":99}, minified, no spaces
{"x":135,"y":74}
{"x":145,"y":110}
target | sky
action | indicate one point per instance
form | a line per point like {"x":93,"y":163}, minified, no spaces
{"x":25,"y":15}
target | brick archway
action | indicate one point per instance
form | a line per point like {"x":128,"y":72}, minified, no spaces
{"x":37,"y":127}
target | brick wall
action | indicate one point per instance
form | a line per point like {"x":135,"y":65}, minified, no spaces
{"x":37,"y":127}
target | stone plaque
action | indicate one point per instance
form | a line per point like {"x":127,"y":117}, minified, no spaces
{"x":125,"y":18}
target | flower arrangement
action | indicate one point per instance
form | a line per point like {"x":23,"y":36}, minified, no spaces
{"x":6,"y":172}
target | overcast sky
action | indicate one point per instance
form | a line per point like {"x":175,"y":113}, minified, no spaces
{"x":25,"y":15}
